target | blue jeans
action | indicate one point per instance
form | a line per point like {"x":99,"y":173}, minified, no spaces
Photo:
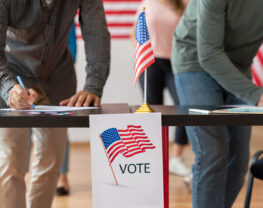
{"x":221,"y":152}
{"x":64,"y":167}
{"x":159,"y":77}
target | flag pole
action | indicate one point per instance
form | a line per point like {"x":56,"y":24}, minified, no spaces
{"x":145,"y":108}
{"x":145,"y":77}
{"x":109,"y":161}
{"x":145,"y":85}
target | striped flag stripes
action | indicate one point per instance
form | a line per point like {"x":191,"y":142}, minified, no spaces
{"x":144,"y":53}
{"x":257,"y":68}
{"x":127,"y":142}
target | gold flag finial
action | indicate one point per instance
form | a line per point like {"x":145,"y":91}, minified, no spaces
{"x":143,"y":8}
{"x":144,"y":108}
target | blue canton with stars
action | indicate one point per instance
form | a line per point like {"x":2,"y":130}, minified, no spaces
{"x":109,"y":136}
{"x":142,"y":34}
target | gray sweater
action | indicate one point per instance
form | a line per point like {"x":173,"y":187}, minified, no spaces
{"x":33,"y":44}
{"x":221,"y":37}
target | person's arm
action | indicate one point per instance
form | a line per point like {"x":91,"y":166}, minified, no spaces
{"x":11,"y":92}
{"x":97,"y":47}
{"x":211,"y":53}
{"x":7,"y":80}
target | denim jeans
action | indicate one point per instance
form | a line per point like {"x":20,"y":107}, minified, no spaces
{"x":159,"y":77}
{"x":64,"y":167}
{"x":221,"y":152}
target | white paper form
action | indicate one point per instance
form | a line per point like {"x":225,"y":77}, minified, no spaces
{"x":246,"y":109}
{"x":51,"y":108}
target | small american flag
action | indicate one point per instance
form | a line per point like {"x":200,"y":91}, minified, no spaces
{"x":144,"y":53}
{"x":257,"y":68}
{"x":128,"y":142}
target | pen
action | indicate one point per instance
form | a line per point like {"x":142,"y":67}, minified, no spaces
{"x":23,"y":86}
{"x":200,"y":111}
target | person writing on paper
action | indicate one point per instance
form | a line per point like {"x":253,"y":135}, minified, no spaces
{"x":33,"y":44}
{"x":213,"y":48}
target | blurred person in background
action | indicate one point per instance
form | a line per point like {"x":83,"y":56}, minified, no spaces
{"x":162,"y":17}
{"x":213,"y":48}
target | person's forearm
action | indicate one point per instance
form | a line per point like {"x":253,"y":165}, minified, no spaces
{"x":7,"y":81}
{"x":98,"y":63}
{"x":97,"y":45}
{"x":95,"y":82}
{"x":212,"y":55}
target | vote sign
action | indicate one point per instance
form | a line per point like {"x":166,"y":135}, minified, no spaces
{"x":126,"y":160}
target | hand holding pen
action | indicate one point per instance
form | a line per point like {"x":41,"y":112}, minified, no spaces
{"x":20,"y":97}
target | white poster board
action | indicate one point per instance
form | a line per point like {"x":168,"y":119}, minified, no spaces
{"x":126,"y":160}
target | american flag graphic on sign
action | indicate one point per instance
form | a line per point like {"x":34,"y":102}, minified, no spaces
{"x":127,"y":142}
{"x":120,"y":17}
{"x":144,"y":53}
{"x":257,"y":68}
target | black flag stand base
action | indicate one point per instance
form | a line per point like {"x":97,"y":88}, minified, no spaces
{"x":144,"y":108}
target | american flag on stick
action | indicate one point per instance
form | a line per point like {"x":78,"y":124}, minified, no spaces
{"x":127,"y":142}
{"x":144,"y":53}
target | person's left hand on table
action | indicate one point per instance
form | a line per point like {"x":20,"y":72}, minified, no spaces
{"x":82,"y":98}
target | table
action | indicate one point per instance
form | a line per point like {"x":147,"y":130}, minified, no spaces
{"x":171,"y":116}
{"x":76,"y":119}
{"x":180,"y":116}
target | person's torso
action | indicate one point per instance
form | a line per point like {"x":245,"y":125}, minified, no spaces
{"x":242,"y":38}
{"x":37,"y":35}
{"x":161,"y":22}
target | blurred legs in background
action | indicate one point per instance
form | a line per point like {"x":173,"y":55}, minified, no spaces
{"x":159,"y":77}
{"x":63,"y":184}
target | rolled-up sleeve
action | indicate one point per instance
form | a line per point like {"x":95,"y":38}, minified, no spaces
{"x":97,"y":45}
{"x":7,"y":80}
{"x":211,"y":52}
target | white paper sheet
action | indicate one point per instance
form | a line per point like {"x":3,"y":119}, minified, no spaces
{"x":246,"y":109}
{"x":51,"y":108}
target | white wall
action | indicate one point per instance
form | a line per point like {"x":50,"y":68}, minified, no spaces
{"x":119,"y":87}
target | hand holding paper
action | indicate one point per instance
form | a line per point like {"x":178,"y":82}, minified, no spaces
{"x":82,"y":98}
{"x":20,"y":99}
